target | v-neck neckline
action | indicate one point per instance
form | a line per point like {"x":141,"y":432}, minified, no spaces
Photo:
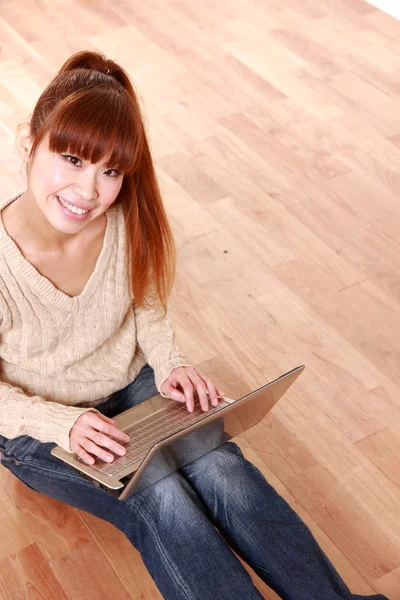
{"x":41,"y":283}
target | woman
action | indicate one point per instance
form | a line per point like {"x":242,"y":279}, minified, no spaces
{"x":87,"y":263}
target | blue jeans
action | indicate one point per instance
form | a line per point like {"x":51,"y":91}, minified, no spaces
{"x":185,"y":525}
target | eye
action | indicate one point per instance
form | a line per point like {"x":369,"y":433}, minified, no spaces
{"x":113,"y":173}
{"x":73,"y":160}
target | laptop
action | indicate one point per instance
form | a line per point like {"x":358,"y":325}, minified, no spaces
{"x":164,"y":436}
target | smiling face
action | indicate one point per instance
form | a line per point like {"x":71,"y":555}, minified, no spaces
{"x":63,"y":187}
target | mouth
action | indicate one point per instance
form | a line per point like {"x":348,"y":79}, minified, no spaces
{"x":71,"y":210}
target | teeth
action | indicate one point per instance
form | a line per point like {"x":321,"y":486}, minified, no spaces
{"x":74,"y":209}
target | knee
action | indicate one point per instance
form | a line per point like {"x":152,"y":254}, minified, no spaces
{"x":225,"y":476}
{"x":169,"y":499}
{"x":225,"y":463}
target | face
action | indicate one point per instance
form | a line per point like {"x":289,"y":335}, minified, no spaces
{"x":69,"y":191}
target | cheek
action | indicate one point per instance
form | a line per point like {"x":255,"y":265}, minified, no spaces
{"x":56,"y":178}
{"x":47,"y":176}
{"x":56,"y":174}
{"x":109,"y":191}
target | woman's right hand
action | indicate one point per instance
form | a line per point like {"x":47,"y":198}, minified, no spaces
{"x":92,"y":434}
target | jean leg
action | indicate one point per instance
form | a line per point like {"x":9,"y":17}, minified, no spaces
{"x":186,"y":556}
{"x":183,"y":552}
{"x":263,"y":529}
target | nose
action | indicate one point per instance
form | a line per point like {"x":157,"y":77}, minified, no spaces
{"x":86,"y":184}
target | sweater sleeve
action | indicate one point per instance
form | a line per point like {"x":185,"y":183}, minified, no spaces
{"x":32,"y":415}
{"x":21,"y":414}
{"x":156,"y":338}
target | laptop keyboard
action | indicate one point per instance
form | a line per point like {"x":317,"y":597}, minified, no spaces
{"x":151,"y":430}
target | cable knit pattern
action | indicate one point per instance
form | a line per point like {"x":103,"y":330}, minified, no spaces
{"x":60,"y":355}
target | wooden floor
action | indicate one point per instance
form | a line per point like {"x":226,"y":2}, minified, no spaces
{"x":276,"y":131}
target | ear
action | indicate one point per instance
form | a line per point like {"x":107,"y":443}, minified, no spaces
{"x":23,"y":140}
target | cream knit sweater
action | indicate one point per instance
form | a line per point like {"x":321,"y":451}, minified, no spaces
{"x":62,"y":355}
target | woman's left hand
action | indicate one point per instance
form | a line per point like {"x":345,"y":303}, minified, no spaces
{"x":181,"y":383}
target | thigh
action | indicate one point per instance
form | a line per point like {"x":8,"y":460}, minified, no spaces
{"x":224,"y":477}
{"x":157,"y":507}
{"x":140,"y":389}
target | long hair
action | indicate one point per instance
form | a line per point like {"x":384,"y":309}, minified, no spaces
{"x":90,"y":109}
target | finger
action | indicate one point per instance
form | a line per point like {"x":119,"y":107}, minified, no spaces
{"x":95,"y":450}
{"x":109,"y":430}
{"x":177,"y":395}
{"x":201,"y":392}
{"x":188,"y":391}
{"x":212,"y":392}
{"x":106,"y":442}
{"x":200,"y":388}
{"x":220,"y":392}
{"x":87,"y":458}
{"x":194,"y":379}
{"x":172,"y":392}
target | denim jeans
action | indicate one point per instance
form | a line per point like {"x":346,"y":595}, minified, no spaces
{"x":185,"y":525}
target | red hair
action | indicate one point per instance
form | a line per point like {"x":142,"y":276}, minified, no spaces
{"x":90,"y":109}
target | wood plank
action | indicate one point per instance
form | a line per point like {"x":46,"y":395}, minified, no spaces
{"x":14,"y":535}
{"x":85,"y":574}
{"x":383,"y":450}
{"x":25,"y":575}
{"x":56,"y":527}
{"x":390,"y":584}
{"x":347,"y":522}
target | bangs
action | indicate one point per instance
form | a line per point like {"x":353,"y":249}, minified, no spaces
{"x":98,"y":125}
